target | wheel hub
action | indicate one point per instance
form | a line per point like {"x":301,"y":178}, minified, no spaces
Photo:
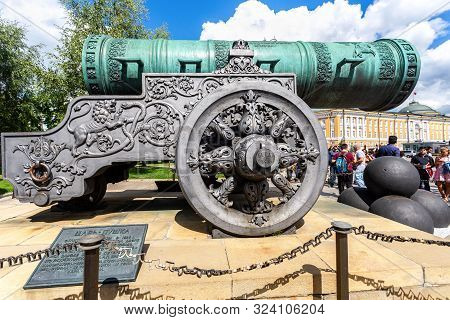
{"x":256,"y":157}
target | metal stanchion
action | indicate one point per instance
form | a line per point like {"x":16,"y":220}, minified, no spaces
{"x":342,"y":229}
{"x":91,"y":244}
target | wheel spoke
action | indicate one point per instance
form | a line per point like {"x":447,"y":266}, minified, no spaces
{"x":284,"y":185}
{"x":222,"y":129}
{"x":291,"y":155}
{"x":221,"y":193}
{"x":215,"y":161}
{"x":255,"y":193}
{"x":252,"y":121}
{"x":280,"y":125}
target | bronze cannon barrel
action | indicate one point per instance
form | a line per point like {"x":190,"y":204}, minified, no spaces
{"x":371,"y":76}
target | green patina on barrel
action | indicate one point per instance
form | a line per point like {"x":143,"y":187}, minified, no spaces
{"x":371,"y":76}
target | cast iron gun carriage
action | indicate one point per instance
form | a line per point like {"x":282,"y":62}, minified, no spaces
{"x":232,"y":116}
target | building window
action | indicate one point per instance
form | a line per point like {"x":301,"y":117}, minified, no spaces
{"x":433,"y":131}
{"x":347,"y":127}
{"x":380,"y":128}
{"x":425,"y":135}
{"x":360,"y":127}
{"x":412,"y":128}
{"x":417,"y":132}
{"x":353,"y":127}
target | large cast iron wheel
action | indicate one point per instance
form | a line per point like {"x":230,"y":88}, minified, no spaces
{"x":233,"y":151}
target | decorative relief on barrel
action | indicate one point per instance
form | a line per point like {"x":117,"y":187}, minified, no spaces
{"x":324,"y":71}
{"x":90,"y":57}
{"x":412,"y":58}
{"x":387,"y":61}
{"x":362,"y":49}
{"x":241,"y":60}
{"x":117,"y":49}
{"x":411,"y":70}
{"x":91,"y":74}
{"x":92,"y":46}
{"x":221,"y":49}
{"x":407,"y":47}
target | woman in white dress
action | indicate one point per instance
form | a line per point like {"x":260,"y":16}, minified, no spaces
{"x":442,"y":174}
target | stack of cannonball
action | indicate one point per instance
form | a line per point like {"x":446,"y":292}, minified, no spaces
{"x":393,"y":192}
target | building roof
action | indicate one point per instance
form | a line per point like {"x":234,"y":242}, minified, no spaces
{"x":417,"y":108}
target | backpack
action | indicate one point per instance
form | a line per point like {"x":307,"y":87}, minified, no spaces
{"x":341,"y":165}
{"x":446,"y":168}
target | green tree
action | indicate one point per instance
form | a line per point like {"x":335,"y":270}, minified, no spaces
{"x":117,"y":18}
{"x":20,"y":68}
{"x":34,"y":95}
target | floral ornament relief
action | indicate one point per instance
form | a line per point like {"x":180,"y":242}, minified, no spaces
{"x":42,"y":154}
{"x":102,"y":129}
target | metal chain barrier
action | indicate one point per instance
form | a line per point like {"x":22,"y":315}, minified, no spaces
{"x":302,"y":249}
{"x":199,"y":272}
{"x":361,"y":230}
{"x":37,"y":255}
{"x":90,"y":245}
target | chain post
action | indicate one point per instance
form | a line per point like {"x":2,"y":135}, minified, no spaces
{"x":342,"y":229}
{"x":90,"y":244}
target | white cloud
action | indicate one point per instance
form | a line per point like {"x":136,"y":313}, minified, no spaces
{"x":433,"y":88}
{"x":39,"y":18}
{"x":413,"y":20}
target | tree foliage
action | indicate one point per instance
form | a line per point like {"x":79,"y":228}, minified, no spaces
{"x":34,"y":95}
{"x":19,"y":77}
{"x":117,"y":18}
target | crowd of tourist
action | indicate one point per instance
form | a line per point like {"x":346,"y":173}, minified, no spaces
{"x":347,"y":165}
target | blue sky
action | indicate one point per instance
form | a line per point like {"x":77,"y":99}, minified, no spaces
{"x":185,"y":17}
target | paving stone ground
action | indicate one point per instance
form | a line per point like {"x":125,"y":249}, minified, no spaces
{"x":377,"y":270}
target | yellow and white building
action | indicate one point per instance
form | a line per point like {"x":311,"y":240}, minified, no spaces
{"x":414,"y":123}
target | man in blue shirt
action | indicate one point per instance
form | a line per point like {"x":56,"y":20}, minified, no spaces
{"x":390,"y":149}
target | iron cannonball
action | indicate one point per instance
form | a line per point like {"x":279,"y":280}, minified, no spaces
{"x":359,"y":198}
{"x":391,"y":176}
{"x":405,"y":211}
{"x":437,"y":208}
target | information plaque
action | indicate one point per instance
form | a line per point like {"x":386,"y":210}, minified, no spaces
{"x":67,"y":268}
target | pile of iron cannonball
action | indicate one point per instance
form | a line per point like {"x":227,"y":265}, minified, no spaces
{"x":393,"y":193}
